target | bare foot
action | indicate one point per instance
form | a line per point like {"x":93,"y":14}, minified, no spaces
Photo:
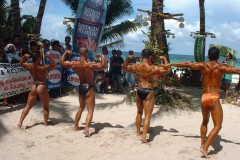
{"x":45,"y":123}
{"x":86,"y":133}
{"x":204,"y":152}
{"x":19,"y":126}
{"x":144,"y":140}
{"x":76,"y":128}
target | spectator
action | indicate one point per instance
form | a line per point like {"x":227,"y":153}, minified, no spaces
{"x":67,"y":45}
{"x":227,"y":78}
{"x":175,"y":76}
{"x":11,"y":55}
{"x":130,"y":77}
{"x":117,"y":62}
{"x":101,"y":83}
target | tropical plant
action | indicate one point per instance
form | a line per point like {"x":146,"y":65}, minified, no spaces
{"x":157,"y":24}
{"x":5,"y":20}
{"x":112,"y":34}
{"x":40,"y":14}
{"x":15,"y":17}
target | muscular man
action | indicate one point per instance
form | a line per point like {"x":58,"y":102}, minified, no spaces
{"x":212,"y":74}
{"x":39,"y":73}
{"x":85,"y":72}
{"x":145,"y":97}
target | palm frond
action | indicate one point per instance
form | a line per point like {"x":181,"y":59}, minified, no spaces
{"x":117,"y":44}
{"x":72,"y":4}
{"x":117,"y":9}
{"x":118,"y":31}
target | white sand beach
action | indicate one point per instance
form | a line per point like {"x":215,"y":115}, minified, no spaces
{"x":172,"y":135}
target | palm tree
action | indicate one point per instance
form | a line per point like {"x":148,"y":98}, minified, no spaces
{"x":40,"y":16}
{"x":15,"y":16}
{"x":202,"y":24}
{"x":157,"y":25}
{"x":5,"y":20}
{"x":112,"y":34}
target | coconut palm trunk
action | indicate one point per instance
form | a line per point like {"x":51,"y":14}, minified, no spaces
{"x":202,"y":24}
{"x":157,"y":24}
{"x":40,"y":16}
{"x":16,"y":19}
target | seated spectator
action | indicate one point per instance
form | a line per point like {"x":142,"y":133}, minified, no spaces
{"x":101,"y":83}
{"x":175,"y":76}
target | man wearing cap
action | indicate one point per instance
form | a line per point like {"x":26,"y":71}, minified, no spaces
{"x":39,"y":74}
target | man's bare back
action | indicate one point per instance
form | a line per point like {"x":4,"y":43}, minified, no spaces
{"x":212,"y":75}
{"x":85,"y":72}
{"x":144,"y":95}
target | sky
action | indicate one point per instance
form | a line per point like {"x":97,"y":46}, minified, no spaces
{"x":222,"y":19}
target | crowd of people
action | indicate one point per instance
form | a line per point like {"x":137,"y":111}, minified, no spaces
{"x":35,"y":57}
{"x":111,"y":79}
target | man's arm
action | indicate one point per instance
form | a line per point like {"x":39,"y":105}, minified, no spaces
{"x":194,"y":66}
{"x":229,"y":70}
{"x":25,"y":64}
{"x":52,"y":64}
{"x":162,"y":69}
{"x":99,"y":65}
{"x":66,"y":63}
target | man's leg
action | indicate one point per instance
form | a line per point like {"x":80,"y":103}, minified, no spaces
{"x":44,"y":97}
{"x":79,"y":112}
{"x":217,"y":117}
{"x":90,"y":102}
{"x":139,"y":114}
{"x":30,"y":102}
{"x":203,"y":128}
{"x":148,"y":104}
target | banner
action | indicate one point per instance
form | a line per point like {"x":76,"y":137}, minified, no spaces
{"x":89,"y":24}
{"x":224,"y":50}
{"x":55,"y":76}
{"x":199,"y":53}
{"x":14,"y":80}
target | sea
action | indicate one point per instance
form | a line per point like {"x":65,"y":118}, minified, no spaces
{"x":189,"y":58}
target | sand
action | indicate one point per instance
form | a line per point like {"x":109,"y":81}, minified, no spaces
{"x":173,"y":135}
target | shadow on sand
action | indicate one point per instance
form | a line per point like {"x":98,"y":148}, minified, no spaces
{"x":154,"y":131}
{"x":216,"y":144}
{"x":3,"y":130}
{"x":100,"y":126}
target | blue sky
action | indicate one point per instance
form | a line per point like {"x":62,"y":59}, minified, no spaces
{"x":222,"y":19}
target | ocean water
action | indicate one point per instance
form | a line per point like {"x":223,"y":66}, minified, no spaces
{"x":183,"y":58}
{"x":188,"y":58}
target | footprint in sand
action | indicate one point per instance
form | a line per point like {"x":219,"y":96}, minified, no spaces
{"x":30,"y":144}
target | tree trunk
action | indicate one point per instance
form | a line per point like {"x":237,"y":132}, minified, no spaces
{"x":40,"y":16}
{"x":16,"y":17}
{"x":202,"y":24}
{"x":157,"y":24}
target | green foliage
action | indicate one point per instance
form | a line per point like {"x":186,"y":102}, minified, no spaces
{"x":28,"y":23}
{"x":152,"y":43}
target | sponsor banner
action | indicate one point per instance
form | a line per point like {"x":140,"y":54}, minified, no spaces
{"x":14,"y":80}
{"x":198,"y":48}
{"x":54,"y":76}
{"x":88,"y":27}
{"x":72,"y":79}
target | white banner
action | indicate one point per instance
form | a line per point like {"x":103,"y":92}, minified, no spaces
{"x":14,"y":80}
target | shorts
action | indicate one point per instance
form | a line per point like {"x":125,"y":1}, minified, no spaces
{"x":226,"y":82}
